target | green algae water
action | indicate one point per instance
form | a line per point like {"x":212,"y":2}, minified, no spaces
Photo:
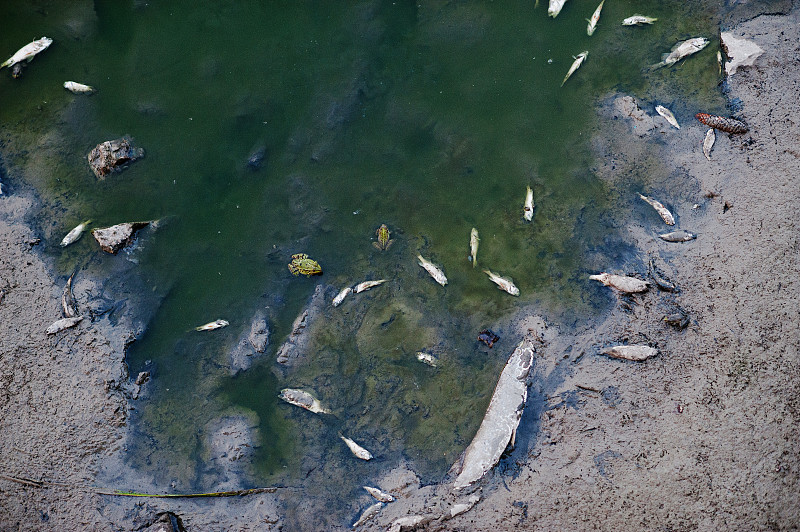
{"x":431,"y":118}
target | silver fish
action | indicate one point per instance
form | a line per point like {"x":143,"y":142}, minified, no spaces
{"x":595,"y":18}
{"x":554,"y":7}
{"x":368,"y":514}
{"x":28,"y":51}
{"x":637,"y":20}
{"x":378,"y":494}
{"x":667,"y":114}
{"x":503,"y":283}
{"x":356,"y":449}
{"x":527,"y":210}
{"x":217,"y":324}
{"x":719,"y":61}
{"x":622,"y":283}
{"x":708,"y":143}
{"x":473,"y":246}
{"x":303,"y":399}
{"x":433,"y":270}
{"x":68,"y":307}
{"x":636,"y":353}
{"x":681,"y":50}
{"x":78,"y":88}
{"x":64,"y":323}
{"x":575,"y":64}
{"x":366,"y":285}
{"x":343,"y":294}
{"x":678,"y":236}
{"x":75,"y":234}
{"x":660,"y":209}
{"x":427,"y":358}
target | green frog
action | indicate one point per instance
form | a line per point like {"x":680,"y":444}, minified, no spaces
{"x":384,"y":241}
{"x":302,"y":264}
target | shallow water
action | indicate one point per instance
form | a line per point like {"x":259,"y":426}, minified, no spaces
{"x":430,"y":118}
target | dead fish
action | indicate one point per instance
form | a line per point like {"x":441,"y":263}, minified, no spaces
{"x":368,"y":514}
{"x":64,"y":323}
{"x":378,"y":494}
{"x":343,"y":294}
{"x":636,"y":353}
{"x":681,"y":50}
{"x":662,"y":282}
{"x":460,"y":508}
{"x":554,"y":7}
{"x":638,"y":20}
{"x":708,"y":143}
{"x":719,"y":61}
{"x":622,"y":283}
{"x":366,"y":285}
{"x":356,"y":449}
{"x":75,"y":234}
{"x":595,"y":18}
{"x":728,"y":125}
{"x":488,"y":337}
{"x":427,"y":358}
{"x":68,"y":307}
{"x":504,"y":283}
{"x":678,"y":236}
{"x":660,"y":209}
{"x":575,"y":64}
{"x":217,"y":324}
{"x":303,"y":399}
{"x":527,"y":211}
{"x":28,"y":51}
{"x":433,"y":270}
{"x":667,"y":114}
{"x":78,"y":88}
{"x":473,"y":246}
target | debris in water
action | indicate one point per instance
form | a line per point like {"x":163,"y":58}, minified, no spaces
{"x":636,"y":353}
{"x":217,"y":324}
{"x":488,"y":337}
{"x":427,"y":358}
{"x":728,"y":125}
{"x":622,"y":283}
{"x":527,"y":211}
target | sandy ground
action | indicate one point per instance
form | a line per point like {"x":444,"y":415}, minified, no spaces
{"x":703,"y":436}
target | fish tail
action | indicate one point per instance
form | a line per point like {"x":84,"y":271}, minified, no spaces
{"x":656,"y":66}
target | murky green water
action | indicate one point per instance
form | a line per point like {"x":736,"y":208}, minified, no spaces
{"x":431,"y":118}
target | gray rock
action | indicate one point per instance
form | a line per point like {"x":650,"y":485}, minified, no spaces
{"x":740,"y":52}
{"x":251,"y":343}
{"x":116,"y":237}
{"x":113,"y":156}
{"x":297,"y":342}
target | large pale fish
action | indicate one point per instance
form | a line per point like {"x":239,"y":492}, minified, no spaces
{"x":368,"y":514}
{"x":473,"y":246}
{"x":668,"y":116}
{"x":575,"y":64}
{"x":637,"y":353}
{"x":343,"y":294}
{"x":678,"y":236}
{"x":660,"y":209}
{"x":28,"y":51}
{"x":303,"y":399}
{"x":64,"y":323}
{"x":681,"y":50}
{"x":708,"y":143}
{"x":527,"y":210}
{"x":75,"y":234}
{"x":554,"y":7}
{"x":78,"y":88}
{"x":433,"y":270}
{"x":378,"y":494}
{"x":638,"y":20}
{"x":593,"y":21}
{"x":356,"y":449}
{"x":366,"y":285}
{"x":622,"y":283}
{"x":216,"y":324}
{"x":503,"y":283}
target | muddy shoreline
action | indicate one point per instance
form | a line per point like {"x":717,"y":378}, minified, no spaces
{"x":703,"y":436}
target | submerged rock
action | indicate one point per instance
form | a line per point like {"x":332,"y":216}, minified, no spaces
{"x":296,"y":343}
{"x":114,"y":238}
{"x":113,"y":156}
{"x":251,"y":343}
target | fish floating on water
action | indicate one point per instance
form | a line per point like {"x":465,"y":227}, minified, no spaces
{"x":433,"y":270}
{"x":622,"y":283}
{"x":356,"y":449}
{"x":473,"y":246}
{"x":28,"y":51}
{"x":637,"y":353}
{"x":217,"y":324}
{"x":64,"y":323}
{"x":527,"y":210}
{"x":595,"y":18}
{"x":379,"y":495}
{"x":503,"y":283}
{"x":660,"y":209}
{"x":78,"y":88}
{"x":340,"y":297}
{"x":75,"y":234}
{"x":678,"y":236}
{"x":578,"y":62}
{"x":554,"y":7}
{"x":681,"y":50}
{"x":708,"y":143}
{"x":728,"y":125}
{"x":427,"y":358}
{"x":366,"y":285}
{"x":667,"y":114}
{"x":638,"y":20}
{"x":303,"y":399}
